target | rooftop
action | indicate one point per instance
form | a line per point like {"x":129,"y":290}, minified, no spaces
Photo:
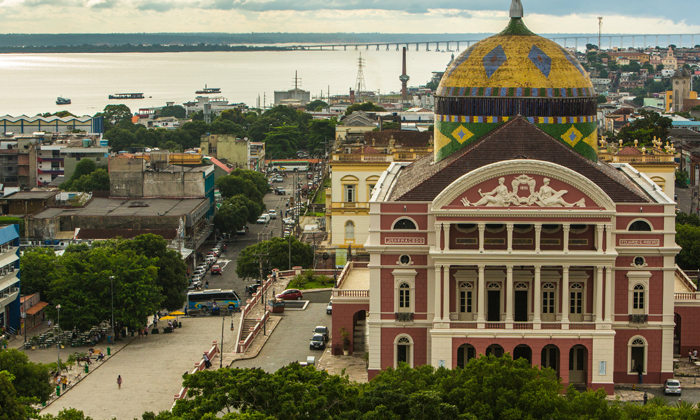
{"x":30,"y":195}
{"x":171,"y":207}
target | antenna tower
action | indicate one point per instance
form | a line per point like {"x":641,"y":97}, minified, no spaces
{"x":360,"y":84}
{"x":600,"y":31}
{"x":297,"y":81}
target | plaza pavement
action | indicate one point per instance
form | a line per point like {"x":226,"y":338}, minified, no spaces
{"x":151,"y":370}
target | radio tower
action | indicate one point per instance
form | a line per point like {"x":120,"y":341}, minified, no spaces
{"x":360,"y":84}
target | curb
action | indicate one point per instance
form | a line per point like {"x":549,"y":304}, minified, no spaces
{"x":253,"y":356}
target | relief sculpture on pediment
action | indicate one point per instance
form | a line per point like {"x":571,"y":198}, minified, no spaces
{"x":524,"y":193}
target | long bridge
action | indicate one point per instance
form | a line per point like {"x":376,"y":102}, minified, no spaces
{"x":633,"y":40}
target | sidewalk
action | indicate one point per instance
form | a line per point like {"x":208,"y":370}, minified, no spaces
{"x":17,"y":342}
{"x":354,"y":366}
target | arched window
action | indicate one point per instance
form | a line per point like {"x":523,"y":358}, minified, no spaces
{"x":640,"y":226}
{"x":638,"y":297}
{"x":403,"y":350}
{"x":637,"y":355}
{"x":404,"y":224}
{"x":349,"y":230}
{"x":404,"y":296}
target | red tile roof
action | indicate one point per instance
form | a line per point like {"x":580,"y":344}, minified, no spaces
{"x":218,"y":163}
{"x":629,"y":150}
{"x":366,"y":150}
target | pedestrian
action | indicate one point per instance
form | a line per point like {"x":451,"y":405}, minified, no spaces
{"x":64,"y":382}
{"x":49,"y":323}
{"x":145,"y":332}
{"x":640,"y":373}
{"x":645,"y":398}
{"x":119,"y":381}
{"x":690,"y":354}
{"x":185,"y":310}
{"x":207,"y":363}
{"x":695,"y":354}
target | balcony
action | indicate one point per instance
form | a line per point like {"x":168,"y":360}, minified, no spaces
{"x":349,"y":205}
{"x":523,"y":325}
{"x":362,"y":158}
{"x":353,"y":284}
{"x":639,"y":318}
{"x":403,"y":316}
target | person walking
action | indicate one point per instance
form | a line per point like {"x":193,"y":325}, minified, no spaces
{"x":640,"y":373}
{"x":119,"y":381}
{"x":64,"y":382}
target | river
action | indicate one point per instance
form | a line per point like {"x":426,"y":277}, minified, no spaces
{"x":31,"y":82}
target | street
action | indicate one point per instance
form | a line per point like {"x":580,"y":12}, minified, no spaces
{"x":227,"y":261}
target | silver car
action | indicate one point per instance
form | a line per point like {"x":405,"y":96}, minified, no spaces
{"x":672,"y":386}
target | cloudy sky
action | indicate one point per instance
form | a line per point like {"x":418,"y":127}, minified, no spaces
{"x":389,"y":16}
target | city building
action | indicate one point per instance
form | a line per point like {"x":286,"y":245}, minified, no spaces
{"x":31,"y":312}
{"x":9,"y":278}
{"x":670,"y":62}
{"x":294,"y":96}
{"x":94,"y":148}
{"x":53,"y":124}
{"x":26,"y":202}
{"x":355,"y":170}
{"x":227,"y":148}
{"x":354,"y":126}
{"x":514,"y":237}
{"x":682,"y":98}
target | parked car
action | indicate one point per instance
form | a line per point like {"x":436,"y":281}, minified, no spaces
{"x":280,"y":191}
{"x":200,"y":271}
{"x":323,"y":331}
{"x":264,"y":218}
{"x":290,"y":294}
{"x":272,"y":213}
{"x":329,"y":308}
{"x":243,"y":231}
{"x":288,"y":221}
{"x":672,"y":386}
{"x":211,"y":259}
{"x":317,"y":342}
{"x":216,"y":269}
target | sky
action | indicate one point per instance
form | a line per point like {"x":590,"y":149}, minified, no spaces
{"x":386,"y":16}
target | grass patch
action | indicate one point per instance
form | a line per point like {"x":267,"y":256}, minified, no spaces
{"x":307,"y":280}
{"x":320,"y":197}
{"x":310,"y":285}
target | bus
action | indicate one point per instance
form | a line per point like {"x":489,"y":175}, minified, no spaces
{"x":205,"y":300}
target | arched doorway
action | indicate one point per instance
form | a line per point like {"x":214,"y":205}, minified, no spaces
{"x":578,"y":364}
{"x":550,"y":358}
{"x":677,"y":334}
{"x":523,"y":352}
{"x":465,"y":353}
{"x":495,"y":350}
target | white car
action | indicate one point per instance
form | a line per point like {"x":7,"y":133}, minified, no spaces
{"x":288,"y":221}
{"x":263,"y":219}
{"x":272,"y":213}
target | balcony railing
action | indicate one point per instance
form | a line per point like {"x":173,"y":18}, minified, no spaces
{"x":639,"y":318}
{"x":582,"y":326}
{"x":351,"y":293}
{"x":687,"y":296}
{"x":350,"y":205}
{"x":404,"y":316}
{"x":361,"y":158}
{"x":522,"y":326}
{"x":464,"y":325}
{"x":495,"y":326}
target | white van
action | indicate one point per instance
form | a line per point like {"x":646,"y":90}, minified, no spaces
{"x":264,"y":218}
{"x":272,"y":213}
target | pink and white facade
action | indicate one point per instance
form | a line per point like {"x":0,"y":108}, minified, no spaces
{"x":569,"y":268}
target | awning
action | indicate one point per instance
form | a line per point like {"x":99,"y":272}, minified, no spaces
{"x":36,"y":308}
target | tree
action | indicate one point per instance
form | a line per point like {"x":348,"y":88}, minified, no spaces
{"x":688,"y":238}
{"x":120,"y":139}
{"x":254,"y":209}
{"x":647,"y":127}
{"x":314,"y":105}
{"x":39,"y":268}
{"x":83,"y":287}
{"x":255,"y":177}
{"x":681,"y":179}
{"x":231,"y":216}
{"x":659,"y":67}
{"x":67,"y":414}
{"x":283,"y":142}
{"x":365,"y":106}
{"x":96,"y":181}
{"x":10,"y":407}
{"x":172,"y":270}
{"x":31,"y":379}
{"x":321,"y":133}
{"x":113,"y":114}
{"x":248,"y":265}
{"x":602,"y":99}
{"x":688,"y":219}
{"x":231,"y":185}
{"x":176,"y":111}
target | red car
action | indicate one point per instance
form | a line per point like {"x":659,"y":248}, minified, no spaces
{"x":290,"y":294}
{"x":216,"y":269}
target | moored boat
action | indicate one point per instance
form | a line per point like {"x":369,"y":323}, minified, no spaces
{"x":207,"y":90}
{"x":126,"y":96}
{"x":62,"y":101}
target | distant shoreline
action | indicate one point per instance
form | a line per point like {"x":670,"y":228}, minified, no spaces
{"x":121,"y":49}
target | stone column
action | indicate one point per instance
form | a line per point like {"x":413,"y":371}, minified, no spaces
{"x":599,"y":294}
{"x":565,"y":304}
{"x":510,"y":296}
{"x":608,"y":238}
{"x":446,"y":230}
{"x":599,"y":236}
{"x":446,"y":293}
{"x":481,"y":317}
{"x":438,"y":295}
{"x":482,"y":228}
{"x":566,"y":227}
{"x":509,"y":226}
{"x":608,"y":293}
{"x":438,"y":231}
{"x":538,"y":297}
{"x":538,"y":235}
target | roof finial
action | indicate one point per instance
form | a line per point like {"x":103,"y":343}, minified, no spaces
{"x":516,"y":9}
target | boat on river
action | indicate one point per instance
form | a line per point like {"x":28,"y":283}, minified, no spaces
{"x":126,"y":96}
{"x":62,"y":101}
{"x":208,"y":90}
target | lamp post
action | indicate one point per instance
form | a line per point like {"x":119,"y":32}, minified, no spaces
{"x":111,"y":281}
{"x":58,"y":345}
{"x":221,"y":346}
{"x":24,"y":320}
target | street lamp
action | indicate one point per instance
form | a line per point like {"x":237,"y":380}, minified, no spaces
{"x":24,"y":320}
{"x":111,"y":281}
{"x":221,"y":346}
{"x":58,"y":345}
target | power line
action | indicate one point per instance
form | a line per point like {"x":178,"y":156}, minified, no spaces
{"x":360,"y":84}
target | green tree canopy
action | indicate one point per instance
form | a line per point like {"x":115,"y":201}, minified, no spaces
{"x":31,"y":379}
{"x":10,"y":406}
{"x":172,"y":271}
{"x":283,"y":142}
{"x":113,"y":114}
{"x":602,"y":99}
{"x":257,"y":178}
{"x":688,"y":238}
{"x":647,"y":127}
{"x":176,"y":111}
{"x":365,"y":106}
{"x":39,"y":268}
{"x":95,"y":181}
{"x":314,"y":105}
{"x":321,"y":133}
{"x":248,"y":266}
{"x":231,"y":185}
{"x":231,"y":216}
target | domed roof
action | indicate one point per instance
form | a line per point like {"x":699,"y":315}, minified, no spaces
{"x":515,"y":63}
